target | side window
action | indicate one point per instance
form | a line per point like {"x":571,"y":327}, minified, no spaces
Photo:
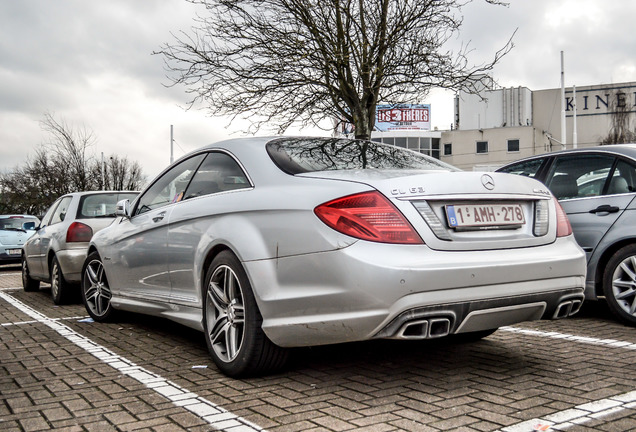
{"x":46,"y":219}
{"x":170,"y":187}
{"x":580,"y":176}
{"x":527,"y":168}
{"x":61,"y":210}
{"x":219,"y":172}
{"x":623,"y":179}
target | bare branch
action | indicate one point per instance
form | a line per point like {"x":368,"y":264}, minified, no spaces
{"x":287,"y":61}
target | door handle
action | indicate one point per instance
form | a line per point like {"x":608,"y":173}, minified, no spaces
{"x":161,"y":215}
{"x":605,"y":209}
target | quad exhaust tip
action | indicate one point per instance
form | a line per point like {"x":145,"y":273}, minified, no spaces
{"x":567,"y":308}
{"x":424,"y":329}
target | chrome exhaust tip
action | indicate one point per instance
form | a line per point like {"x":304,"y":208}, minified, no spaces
{"x":424,"y":329}
{"x":413,"y":330}
{"x":439,"y":327}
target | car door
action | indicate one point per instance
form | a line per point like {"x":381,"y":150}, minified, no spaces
{"x":205,"y":197}
{"x":32,"y":246}
{"x":592,"y":190}
{"x":38,"y":246}
{"x":141,"y":255}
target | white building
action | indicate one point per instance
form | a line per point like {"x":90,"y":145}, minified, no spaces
{"x":504,"y":124}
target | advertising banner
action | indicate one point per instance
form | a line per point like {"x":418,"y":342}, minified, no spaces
{"x":403,"y":117}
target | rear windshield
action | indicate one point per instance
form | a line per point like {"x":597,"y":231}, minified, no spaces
{"x":305,"y":155}
{"x":101,"y":205}
{"x":19,"y":223}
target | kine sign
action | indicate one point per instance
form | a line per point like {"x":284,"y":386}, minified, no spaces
{"x":602,"y":101}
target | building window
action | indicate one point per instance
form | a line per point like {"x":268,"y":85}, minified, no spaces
{"x":513,"y":145}
{"x":482,"y":146}
{"x":413,"y":143}
{"x":400,"y":142}
{"x":448,"y":149}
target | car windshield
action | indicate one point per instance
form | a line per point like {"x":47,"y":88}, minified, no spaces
{"x":304,"y":155}
{"x":101,"y":205}
{"x":18,"y":223}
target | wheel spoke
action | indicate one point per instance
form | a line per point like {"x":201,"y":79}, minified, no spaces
{"x":628,"y":269}
{"x":232,"y":341}
{"x":219,"y":327}
{"x":239,"y":314}
{"x":91,"y":293}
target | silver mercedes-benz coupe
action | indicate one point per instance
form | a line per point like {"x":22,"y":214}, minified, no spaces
{"x":270,"y":243}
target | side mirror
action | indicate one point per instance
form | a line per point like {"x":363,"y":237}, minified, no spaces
{"x":123,"y":208}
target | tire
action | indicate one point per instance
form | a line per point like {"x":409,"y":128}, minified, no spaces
{"x":233,"y":323}
{"x":619,"y":284}
{"x":29,"y":284}
{"x":96,"y":293}
{"x":60,"y":289}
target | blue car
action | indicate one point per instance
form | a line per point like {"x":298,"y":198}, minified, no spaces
{"x":14,"y":232}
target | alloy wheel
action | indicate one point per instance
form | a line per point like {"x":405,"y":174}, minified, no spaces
{"x":97,"y":293}
{"x":55,"y":280}
{"x":225,"y":313}
{"x":624,"y":285}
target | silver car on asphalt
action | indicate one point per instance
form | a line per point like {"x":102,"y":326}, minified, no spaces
{"x":597,"y":188}
{"x":269,"y":243}
{"x":56,"y":251}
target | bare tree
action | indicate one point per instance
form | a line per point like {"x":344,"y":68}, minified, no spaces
{"x":68,"y":145}
{"x":620,"y":131}
{"x":119,"y":174}
{"x":62,"y":165}
{"x":312,"y":60}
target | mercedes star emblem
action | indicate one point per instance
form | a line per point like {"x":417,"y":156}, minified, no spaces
{"x":488,"y":182}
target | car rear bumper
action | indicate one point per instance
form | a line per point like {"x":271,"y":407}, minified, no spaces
{"x":71,"y":262}
{"x":361,"y":291}
{"x":9,"y":258}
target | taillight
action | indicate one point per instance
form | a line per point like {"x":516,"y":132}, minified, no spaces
{"x":78,"y":232}
{"x":563,"y":223}
{"x":368,"y":216}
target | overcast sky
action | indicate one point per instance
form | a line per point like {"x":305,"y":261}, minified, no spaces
{"x":90,"y":64}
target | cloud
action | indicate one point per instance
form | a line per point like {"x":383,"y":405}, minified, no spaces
{"x":91,"y":64}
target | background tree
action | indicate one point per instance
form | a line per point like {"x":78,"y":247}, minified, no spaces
{"x":312,"y":60}
{"x":620,"y":131}
{"x":119,"y":174}
{"x":63,"y":164}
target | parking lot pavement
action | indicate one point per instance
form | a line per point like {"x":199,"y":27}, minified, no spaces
{"x":59,"y":371}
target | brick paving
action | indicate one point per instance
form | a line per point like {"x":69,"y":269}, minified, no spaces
{"x":531,"y":373}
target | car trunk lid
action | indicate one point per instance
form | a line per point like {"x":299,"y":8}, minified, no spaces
{"x":464,"y":210}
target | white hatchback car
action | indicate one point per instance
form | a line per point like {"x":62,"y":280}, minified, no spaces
{"x":14,"y":231}
{"x":56,"y":252}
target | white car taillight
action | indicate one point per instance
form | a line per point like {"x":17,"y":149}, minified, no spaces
{"x":368,"y":216}
{"x":541,"y":217}
{"x":563,"y":223}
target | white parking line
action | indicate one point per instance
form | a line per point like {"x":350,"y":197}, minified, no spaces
{"x":587,"y":340}
{"x":580,"y":414}
{"x":216,"y":416}
{"x":35,"y":321}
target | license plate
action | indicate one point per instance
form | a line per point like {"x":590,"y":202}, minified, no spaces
{"x":484,"y":215}
{"x":13,"y":251}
